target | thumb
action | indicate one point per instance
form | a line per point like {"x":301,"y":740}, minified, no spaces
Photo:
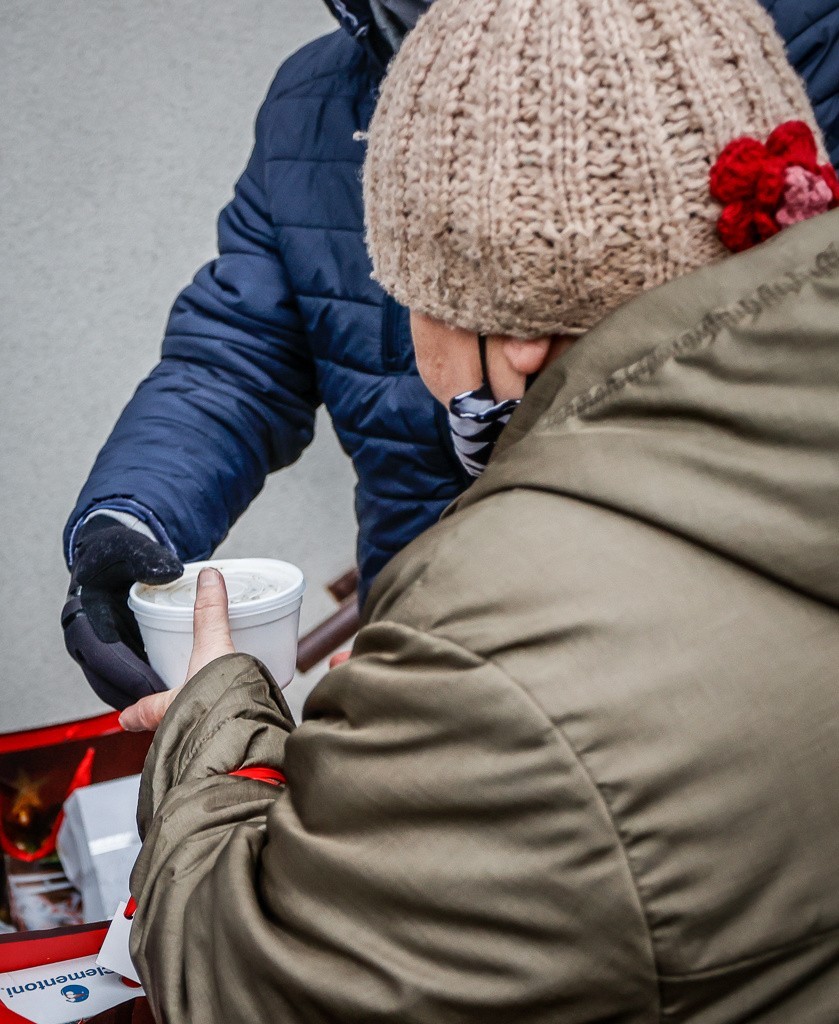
{"x":211,"y":626}
{"x":147,"y":714}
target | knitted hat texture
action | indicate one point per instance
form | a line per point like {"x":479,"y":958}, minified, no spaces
{"x":533,"y":164}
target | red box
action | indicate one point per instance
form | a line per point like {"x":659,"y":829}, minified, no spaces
{"x":92,"y":750}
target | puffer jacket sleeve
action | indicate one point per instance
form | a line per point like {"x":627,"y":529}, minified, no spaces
{"x":233,"y":397}
{"x":811,"y":33}
{"x":437,"y":855}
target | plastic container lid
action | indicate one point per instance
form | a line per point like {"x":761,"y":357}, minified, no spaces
{"x":254,"y":586}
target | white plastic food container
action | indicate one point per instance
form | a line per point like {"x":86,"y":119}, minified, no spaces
{"x":264,"y":598}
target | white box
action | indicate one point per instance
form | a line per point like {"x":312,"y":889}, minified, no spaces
{"x":98,"y":843}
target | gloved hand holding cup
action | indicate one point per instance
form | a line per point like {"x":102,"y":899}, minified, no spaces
{"x":100,"y":632}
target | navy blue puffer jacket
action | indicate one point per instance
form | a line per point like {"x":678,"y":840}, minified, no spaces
{"x":288,"y":317}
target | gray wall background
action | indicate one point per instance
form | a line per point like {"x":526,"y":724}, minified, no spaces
{"x":123,"y":127}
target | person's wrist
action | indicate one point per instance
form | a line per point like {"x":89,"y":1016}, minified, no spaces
{"x":133,"y":516}
{"x":100,"y":517}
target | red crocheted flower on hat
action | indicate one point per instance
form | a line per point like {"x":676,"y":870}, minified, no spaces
{"x":765,"y":187}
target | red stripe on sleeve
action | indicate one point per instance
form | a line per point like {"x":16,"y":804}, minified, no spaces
{"x":261,"y":774}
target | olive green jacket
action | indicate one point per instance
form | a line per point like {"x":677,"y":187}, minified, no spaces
{"x":583,"y":766}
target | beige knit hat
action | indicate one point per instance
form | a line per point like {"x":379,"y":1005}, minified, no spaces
{"x":533,"y":164}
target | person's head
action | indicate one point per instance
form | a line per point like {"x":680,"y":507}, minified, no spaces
{"x":534,"y":164}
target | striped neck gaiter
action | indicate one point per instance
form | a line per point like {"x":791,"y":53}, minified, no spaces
{"x":476,"y":421}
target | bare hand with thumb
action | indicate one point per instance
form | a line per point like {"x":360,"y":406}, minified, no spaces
{"x":211,"y":640}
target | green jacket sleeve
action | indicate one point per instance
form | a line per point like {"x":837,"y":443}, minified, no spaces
{"x":436,"y":855}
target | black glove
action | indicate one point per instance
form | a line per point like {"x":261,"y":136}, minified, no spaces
{"x":100,"y":631}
